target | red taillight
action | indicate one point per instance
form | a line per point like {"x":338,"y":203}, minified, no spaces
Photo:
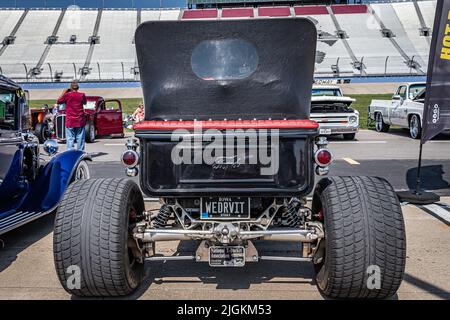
{"x":130,"y":158}
{"x":323,"y":157}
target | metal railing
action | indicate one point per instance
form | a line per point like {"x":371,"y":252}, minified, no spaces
{"x":128,"y":70}
{"x":371,"y":66}
{"x":62,"y":72}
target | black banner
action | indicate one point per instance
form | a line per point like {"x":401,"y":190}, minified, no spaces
{"x":436,"y":113}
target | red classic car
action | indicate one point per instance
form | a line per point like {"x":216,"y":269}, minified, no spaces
{"x":104,"y":117}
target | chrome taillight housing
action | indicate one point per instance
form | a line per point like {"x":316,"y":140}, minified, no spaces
{"x":130,"y":158}
{"x":323,"y":157}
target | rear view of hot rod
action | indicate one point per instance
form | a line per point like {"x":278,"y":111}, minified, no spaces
{"x":228,"y":147}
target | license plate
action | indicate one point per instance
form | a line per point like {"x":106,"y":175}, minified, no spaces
{"x":324,"y":131}
{"x":227,"y":256}
{"x":225,"y":208}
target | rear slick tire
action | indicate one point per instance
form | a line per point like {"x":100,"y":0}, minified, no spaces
{"x":92,"y":238}
{"x":364,"y":251}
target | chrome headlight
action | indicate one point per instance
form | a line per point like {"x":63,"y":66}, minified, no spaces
{"x":353,"y":119}
{"x":51,"y":147}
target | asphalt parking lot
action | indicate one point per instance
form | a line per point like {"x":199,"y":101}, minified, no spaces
{"x":26,"y":259}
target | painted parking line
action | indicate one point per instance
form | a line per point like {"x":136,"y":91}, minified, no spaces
{"x":439,"y":211}
{"x":351,"y":161}
{"x":358,"y":142}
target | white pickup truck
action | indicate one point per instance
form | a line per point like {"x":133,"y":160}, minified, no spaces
{"x":404,"y":110}
{"x":331,"y":110}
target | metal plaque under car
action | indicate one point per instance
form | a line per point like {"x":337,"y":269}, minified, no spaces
{"x":233,"y":256}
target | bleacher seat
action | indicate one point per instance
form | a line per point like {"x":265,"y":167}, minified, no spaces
{"x":310,"y":10}
{"x":77,"y":22}
{"x":9,"y":19}
{"x":152,"y":15}
{"x":388,"y":15}
{"x":200,"y":14}
{"x":116,"y":46}
{"x":335,"y":52}
{"x":428,"y":9}
{"x":349,"y":9}
{"x":406,"y":13}
{"x":274,"y":12}
{"x":237,"y":13}
{"x":366,"y":41}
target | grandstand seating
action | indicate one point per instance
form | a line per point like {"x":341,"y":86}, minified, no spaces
{"x":116,"y":44}
{"x":410,"y":22}
{"x":237,"y":13}
{"x":387,"y":14}
{"x":147,"y":15}
{"x":9,"y":18}
{"x":200,"y":14}
{"x":391,"y":38}
{"x":274,"y":12}
{"x":79,"y":23}
{"x":427,"y":9}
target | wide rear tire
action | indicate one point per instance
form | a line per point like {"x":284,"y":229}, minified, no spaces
{"x":93,"y":235}
{"x":364,"y":234}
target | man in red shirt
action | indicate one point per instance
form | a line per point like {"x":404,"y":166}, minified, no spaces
{"x":75,"y":118}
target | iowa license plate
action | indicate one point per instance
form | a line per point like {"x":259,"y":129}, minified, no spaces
{"x":227,"y":256}
{"x":225,"y":208}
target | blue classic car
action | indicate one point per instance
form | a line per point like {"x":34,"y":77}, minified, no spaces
{"x":30,"y":189}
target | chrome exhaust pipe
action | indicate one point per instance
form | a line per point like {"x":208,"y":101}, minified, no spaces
{"x":282,"y":235}
{"x":154,"y":235}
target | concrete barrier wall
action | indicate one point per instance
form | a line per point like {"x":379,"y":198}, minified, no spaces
{"x":136,"y":92}
{"x":108,"y":93}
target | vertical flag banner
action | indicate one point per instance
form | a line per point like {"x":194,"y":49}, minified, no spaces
{"x":436,"y":113}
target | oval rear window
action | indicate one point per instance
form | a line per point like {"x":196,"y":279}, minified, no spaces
{"x":227,"y":59}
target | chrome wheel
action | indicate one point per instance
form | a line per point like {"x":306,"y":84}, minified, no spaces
{"x":82,"y":171}
{"x":92,"y":133}
{"x":378,"y":122}
{"x":414,"y":127}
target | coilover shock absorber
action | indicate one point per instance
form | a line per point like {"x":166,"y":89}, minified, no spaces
{"x":290,"y":216}
{"x":161,"y":219}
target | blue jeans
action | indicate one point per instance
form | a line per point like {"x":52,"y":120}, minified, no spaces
{"x":75,"y":134}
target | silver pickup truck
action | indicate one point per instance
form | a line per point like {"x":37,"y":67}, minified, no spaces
{"x":405,"y":109}
{"x":331,"y":109}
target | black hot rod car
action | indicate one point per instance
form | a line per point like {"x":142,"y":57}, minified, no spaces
{"x":228,"y":147}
